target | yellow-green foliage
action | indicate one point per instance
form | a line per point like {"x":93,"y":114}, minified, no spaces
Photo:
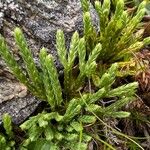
{"x":7,"y":141}
{"x":73,"y":107}
{"x":70,"y":109}
{"x":118,"y":32}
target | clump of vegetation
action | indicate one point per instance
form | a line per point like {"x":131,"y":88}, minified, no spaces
{"x":118,"y":33}
{"x":76,"y":105}
{"x":64,"y":125}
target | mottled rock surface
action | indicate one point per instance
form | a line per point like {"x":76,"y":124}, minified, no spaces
{"x":15,"y":101}
{"x":39,"y":20}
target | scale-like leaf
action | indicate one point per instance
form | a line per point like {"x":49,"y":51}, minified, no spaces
{"x":87,"y":119}
{"x":7,"y":123}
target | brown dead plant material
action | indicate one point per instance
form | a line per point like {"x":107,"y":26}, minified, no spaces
{"x":143,"y":77}
{"x":138,"y":125}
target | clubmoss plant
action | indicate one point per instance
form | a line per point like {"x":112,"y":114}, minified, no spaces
{"x":72,"y":108}
{"x":7,"y":141}
{"x":118,"y":31}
